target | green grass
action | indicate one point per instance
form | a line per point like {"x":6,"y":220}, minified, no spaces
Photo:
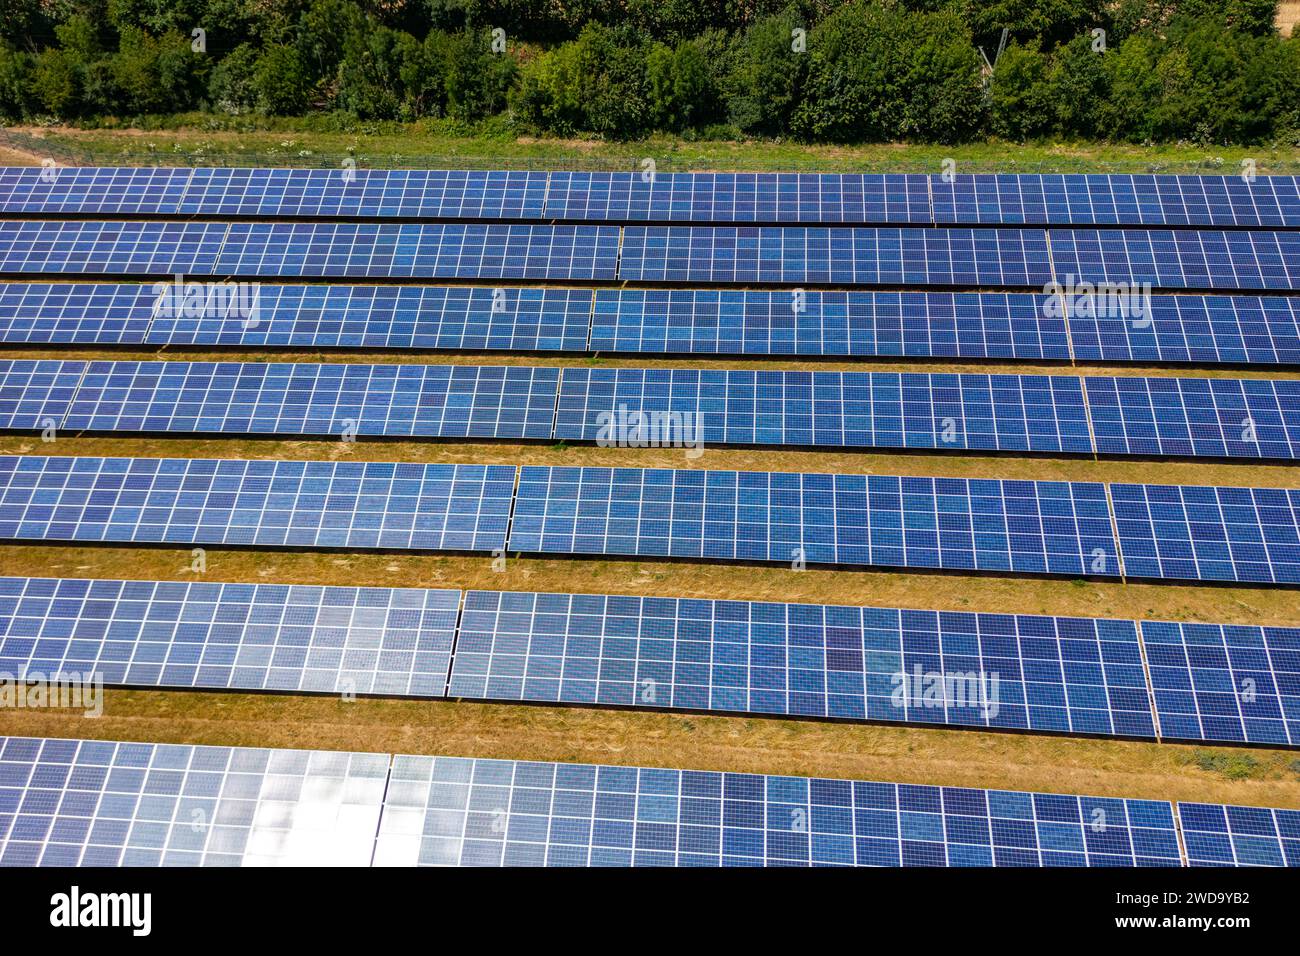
{"x":196,"y":139}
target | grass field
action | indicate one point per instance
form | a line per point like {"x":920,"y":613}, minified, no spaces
{"x":1102,"y":767}
{"x":441,"y":144}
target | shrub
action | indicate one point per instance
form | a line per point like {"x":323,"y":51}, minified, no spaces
{"x":1020,"y":94}
{"x":679,"y":87}
{"x":763,"y":85}
{"x":15,"y":82}
{"x":157,"y":74}
{"x":281,"y":81}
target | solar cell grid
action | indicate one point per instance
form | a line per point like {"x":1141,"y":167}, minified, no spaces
{"x":836,"y":409}
{"x":984,"y":670}
{"x":229,"y":636}
{"x":446,"y":401}
{"x":410,"y":317}
{"x":444,"y":811}
{"x":263,"y":503}
{"x":945,"y":257}
{"x":1196,"y":329}
{"x":1178,"y":259}
{"x":1237,"y":418}
{"x":1220,"y":835}
{"x":986,"y":525}
{"x":69,"y":313}
{"x":1225,"y":682}
{"x":93,"y":190}
{"x":36,"y":394}
{"x":913,"y":324}
{"x":335,"y":250}
{"x":103,"y":803}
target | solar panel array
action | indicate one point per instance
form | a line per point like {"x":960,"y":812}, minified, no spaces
{"x":320,"y":250}
{"x":314,"y":504}
{"x":1265,"y":201}
{"x":794,"y":255}
{"x":336,"y":640}
{"x":1016,"y":671}
{"x":1203,"y":682}
{"x":296,"y":398}
{"x":1219,"y":835}
{"x":102,"y":803}
{"x":1022,"y":527}
{"x":950,"y":523}
{"x":1262,"y":330}
{"x":1230,"y":418}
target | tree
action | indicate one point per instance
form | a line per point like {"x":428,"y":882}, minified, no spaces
{"x":679,"y":86}
{"x":1020,"y":94}
{"x":281,"y":81}
{"x":764,"y":83}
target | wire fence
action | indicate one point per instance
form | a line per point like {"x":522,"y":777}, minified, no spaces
{"x":617,"y":157}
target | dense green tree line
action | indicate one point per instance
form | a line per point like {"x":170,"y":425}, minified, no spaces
{"x":1137,"y":70}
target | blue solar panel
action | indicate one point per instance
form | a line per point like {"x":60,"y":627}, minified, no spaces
{"x":1219,"y":835}
{"x":333,"y":640}
{"x":68,"y":314}
{"x":1268,"y":201}
{"x":1249,"y":535}
{"x":1185,"y":259}
{"x":913,"y":324}
{"x":104,"y":803}
{"x":36,"y":395}
{"x":1190,"y":328}
{"x":1225,"y":682}
{"x":986,"y":525}
{"x":279,"y":249}
{"x":390,"y":317}
{"x":984,"y":257}
{"x":93,"y":190}
{"x":134,"y":248}
{"x":738,"y":197}
{"x":1239,"y":418}
{"x":371,"y":193}
{"x":449,"y":811}
{"x":839,"y":409}
{"x":984,"y":670}
{"x":307,"y":504}
{"x":303,"y":398}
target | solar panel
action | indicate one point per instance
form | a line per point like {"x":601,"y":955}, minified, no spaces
{"x":301,"y":398}
{"x":986,"y":525}
{"x":1225,"y":682}
{"x":751,"y":322}
{"x":451,"y":811}
{"x":36,"y":395}
{"x":918,"y":257}
{"x":370,"y":193}
{"x":1209,"y":533}
{"x":335,"y":250}
{"x":1268,"y":201}
{"x":1237,"y":418}
{"x":1066,"y":675}
{"x":1183,"y":259}
{"x":103,"y":803}
{"x":837,"y":409}
{"x":111,"y":248}
{"x":108,"y":190}
{"x":389,"y":317}
{"x":74,"y":314}
{"x":308,"y":504}
{"x":1219,"y":835}
{"x":335,"y":640}
{"x":1198,"y":329}
{"x":738,"y":197}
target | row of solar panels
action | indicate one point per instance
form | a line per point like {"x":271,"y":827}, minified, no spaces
{"x":1163,"y":328}
{"x":688,"y":408}
{"x":104,"y":803}
{"x":1143,"y":679}
{"x":1172,"y":532}
{"x":1032,"y":258}
{"x":1266,"y":201}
